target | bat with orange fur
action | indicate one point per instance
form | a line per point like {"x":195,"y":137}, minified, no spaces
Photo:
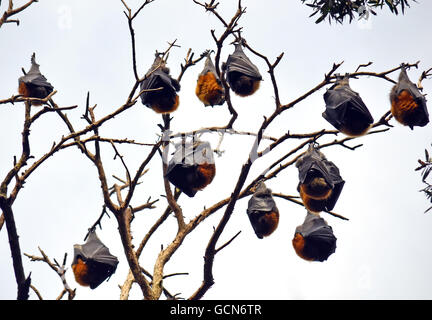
{"x":93,"y":263}
{"x":242,"y":75}
{"x":262,"y":212}
{"x":161,"y":95}
{"x":408,"y":104}
{"x":320,"y":183}
{"x":314,"y":239}
{"x":345,"y":110}
{"x":191,"y":167}
{"x":33,"y":84}
{"x":209,"y":87}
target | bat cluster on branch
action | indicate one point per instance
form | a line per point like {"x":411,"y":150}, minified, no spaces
{"x":192,"y":166}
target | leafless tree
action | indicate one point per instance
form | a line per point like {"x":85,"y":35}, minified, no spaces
{"x":118,"y":197}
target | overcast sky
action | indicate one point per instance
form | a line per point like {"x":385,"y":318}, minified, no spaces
{"x":383,"y":251}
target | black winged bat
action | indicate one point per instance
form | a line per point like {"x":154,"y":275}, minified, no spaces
{"x":314,"y":239}
{"x":191,"y":167}
{"x":345,"y":110}
{"x":209,"y":87}
{"x":408,"y":104}
{"x":262,"y":211}
{"x":162,"y":89}
{"x":33,"y":84}
{"x":241,"y":74}
{"x":320,"y":183}
{"x":93,"y":263}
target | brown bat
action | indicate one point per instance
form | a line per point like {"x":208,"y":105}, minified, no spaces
{"x":192,"y":167}
{"x":262,"y":212}
{"x":162,"y":89}
{"x":93,"y":263}
{"x":242,"y":75}
{"x":320,"y":183}
{"x":314,"y":239}
{"x":408,"y":104}
{"x":209,"y":87}
{"x":33,"y":84}
{"x":345,"y":110}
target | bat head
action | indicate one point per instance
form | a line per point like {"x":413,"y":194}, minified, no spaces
{"x":95,"y":262}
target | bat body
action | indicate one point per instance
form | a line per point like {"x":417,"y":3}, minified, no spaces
{"x":408,"y":105}
{"x":192,"y":167}
{"x":345,"y":110}
{"x":209,"y":87}
{"x":162,"y":95}
{"x":33,"y":84}
{"x":262,"y":212}
{"x":314,"y":239}
{"x":93,"y":263}
{"x":320,"y":183}
{"x":242,"y":75}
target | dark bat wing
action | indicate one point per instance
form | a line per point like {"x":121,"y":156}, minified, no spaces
{"x":209,"y":67}
{"x":239,"y":62}
{"x":405,"y":83}
{"x":341,"y":101}
{"x":181,"y":170}
{"x":36,"y":80}
{"x":94,"y":250}
{"x":319,"y":237}
{"x":156,"y":80}
{"x":312,"y":160}
{"x":261,"y":201}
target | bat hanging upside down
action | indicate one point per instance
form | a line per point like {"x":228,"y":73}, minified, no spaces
{"x":93,"y":263}
{"x":345,"y":109}
{"x":314,"y":239}
{"x":242,"y":75}
{"x":262,"y":212}
{"x":192,"y":167}
{"x":209,"y":87}
{"x":408,"y":105}
{"x":320,"y":183}
{"x":33,"y":84}
{"x":161,"y":95}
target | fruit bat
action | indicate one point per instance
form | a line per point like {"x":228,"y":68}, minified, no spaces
{"x":164,"y":100}
{"x":242,"y":75}
{"x":408,"y":105}
{"x":262,"y":212}
{"x":209,"y":86}
{"x":33,"y":84}
{"x":345,"y":110}
{"x":93,"y":263}
{"x":191,"y":167}
{"x":320,"y":183}
{"x":314,"y":239}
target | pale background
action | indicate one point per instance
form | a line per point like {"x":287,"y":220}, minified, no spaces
{"x":383,"y":251}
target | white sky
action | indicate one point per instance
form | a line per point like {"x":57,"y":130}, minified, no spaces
{"x":383,"y":252}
